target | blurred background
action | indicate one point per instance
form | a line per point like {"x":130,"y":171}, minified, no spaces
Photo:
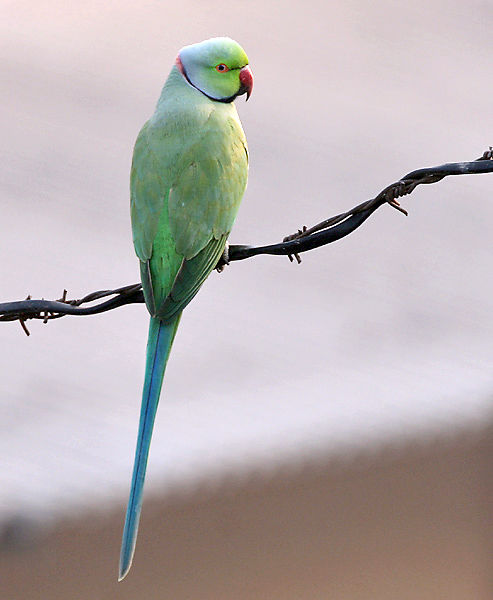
{"x":325,"y":429}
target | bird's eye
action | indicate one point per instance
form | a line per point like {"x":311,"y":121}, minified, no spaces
{"x":222,"y":68}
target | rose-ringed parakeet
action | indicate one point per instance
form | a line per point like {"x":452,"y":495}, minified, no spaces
{"x":189,"y":173}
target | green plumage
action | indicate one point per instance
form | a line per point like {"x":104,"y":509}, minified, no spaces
{"x":188,"y":176}
{"x":189,"y":172}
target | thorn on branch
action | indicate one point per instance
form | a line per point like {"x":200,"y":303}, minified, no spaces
{"x":397,"y":206}
{"x":295,"y":236}
{"x":24,"y":327}
{"x":487,"y":154}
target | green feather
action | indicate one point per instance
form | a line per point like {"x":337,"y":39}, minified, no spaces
{"x":189,"y":172}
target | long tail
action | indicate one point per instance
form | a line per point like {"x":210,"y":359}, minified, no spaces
{"x":159,"y":343}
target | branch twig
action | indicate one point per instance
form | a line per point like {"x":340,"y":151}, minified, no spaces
{"x":46,"y":310}
{"x":325,"y":232}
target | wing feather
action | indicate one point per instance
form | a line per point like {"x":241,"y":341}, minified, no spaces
{"x":186,"y":186}
{"x":190,"y":278}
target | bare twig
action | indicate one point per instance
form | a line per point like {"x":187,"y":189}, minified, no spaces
{"x":337,"y":227}
{"x":325,"y":232}
{"x":54,"y":309}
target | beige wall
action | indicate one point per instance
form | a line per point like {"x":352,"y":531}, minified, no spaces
{"x":408,"y":523}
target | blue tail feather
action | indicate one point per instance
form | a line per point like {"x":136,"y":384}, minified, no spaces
{"x":159,"y":343}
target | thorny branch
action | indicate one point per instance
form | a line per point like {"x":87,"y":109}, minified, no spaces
{"x":326,"y":232}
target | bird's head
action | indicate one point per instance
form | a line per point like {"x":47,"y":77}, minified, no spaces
{"x":217,"y":67}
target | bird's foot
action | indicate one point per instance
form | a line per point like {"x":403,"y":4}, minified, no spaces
{"x":224,"y":260}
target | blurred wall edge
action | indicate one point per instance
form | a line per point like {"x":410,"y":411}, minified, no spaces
{"x":412,"y":521}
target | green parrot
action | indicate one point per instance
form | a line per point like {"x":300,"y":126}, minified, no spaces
{"x":189,"y":173}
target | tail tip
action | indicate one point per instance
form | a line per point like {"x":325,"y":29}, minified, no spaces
{"x":124,"y":567}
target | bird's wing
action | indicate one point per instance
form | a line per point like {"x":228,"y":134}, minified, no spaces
{"x":185,"y":196}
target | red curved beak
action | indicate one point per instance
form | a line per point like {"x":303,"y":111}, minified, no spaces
{"x":246,"y":80}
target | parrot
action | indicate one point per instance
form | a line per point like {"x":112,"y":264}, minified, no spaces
{"x":188,"y":176}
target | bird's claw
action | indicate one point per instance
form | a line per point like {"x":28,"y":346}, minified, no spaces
{"x":224,"y":260}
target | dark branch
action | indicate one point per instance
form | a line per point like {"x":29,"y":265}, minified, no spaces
{"x":339,"y":226}
{"x":326,"y":232}
{"x":46,"y":310}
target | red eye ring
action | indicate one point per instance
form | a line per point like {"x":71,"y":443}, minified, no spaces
{"x":222,"y":68}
